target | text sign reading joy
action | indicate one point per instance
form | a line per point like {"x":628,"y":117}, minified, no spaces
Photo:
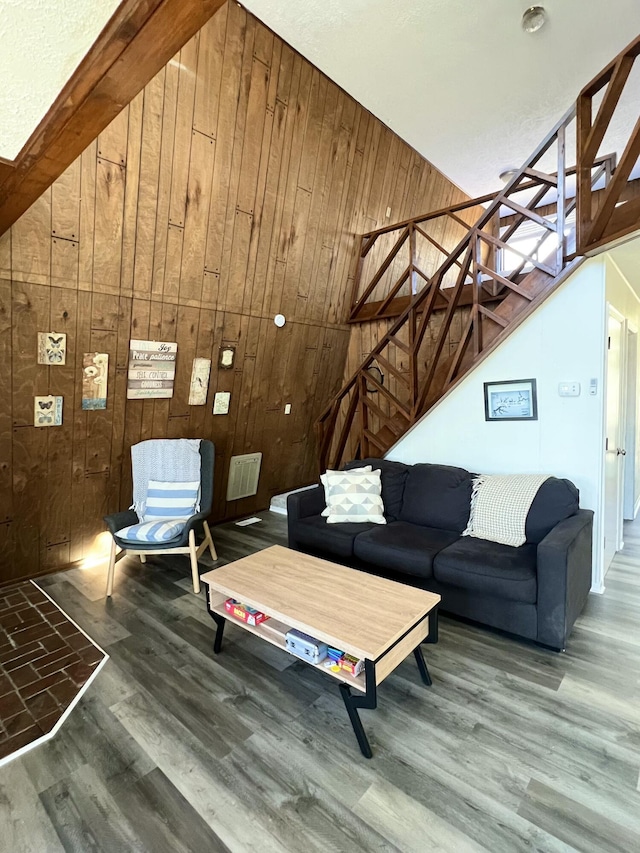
{"x":152,"y":369}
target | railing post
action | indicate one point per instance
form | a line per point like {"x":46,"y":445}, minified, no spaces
{"x":561,"y":198}
{"x":357,"y":277}
{"x":361,"y":390}
{"x":583,"y":173}
{"x":413,"y":275}
{"x":477,"y":284}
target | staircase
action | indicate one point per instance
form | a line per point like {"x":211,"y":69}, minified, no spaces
{"x":447,"y":310}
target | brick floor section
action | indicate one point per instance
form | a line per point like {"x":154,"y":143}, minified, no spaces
{"x":44,"y":663}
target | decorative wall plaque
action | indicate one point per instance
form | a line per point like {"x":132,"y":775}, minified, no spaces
{"x":152,"y":369}
{"x":199,"y":381}
{"x":226,"y":358}
{"x":95,"y":370}
{"x":221,"y":403}
{"x":52,"y":348}
{"x":47,"y":411}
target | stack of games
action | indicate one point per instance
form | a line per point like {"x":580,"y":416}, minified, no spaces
{"x":338,"y":660}
{"x":244,"y":613}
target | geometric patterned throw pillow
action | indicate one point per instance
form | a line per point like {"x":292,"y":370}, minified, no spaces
{"x":323,"y":480}
{"x":171,"y":500}
{"x":152,"y":531}
{"x":354,"y":496}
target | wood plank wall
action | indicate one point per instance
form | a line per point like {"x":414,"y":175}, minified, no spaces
{"x":230,"y":189}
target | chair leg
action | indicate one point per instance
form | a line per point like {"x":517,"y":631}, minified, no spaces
{"x":112,"y":567}
{"x":193,"y":555}
{"x":207,"y":536}
{"x":143,"y":557}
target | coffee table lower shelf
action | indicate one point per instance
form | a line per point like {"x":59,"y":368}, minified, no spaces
{"x":366,"y":684}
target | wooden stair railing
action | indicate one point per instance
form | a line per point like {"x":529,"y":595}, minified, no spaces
{"x":613,"y":214}
{"x":444,"y":320}
{"x":419,"y":357}
{"x":394,"y":262}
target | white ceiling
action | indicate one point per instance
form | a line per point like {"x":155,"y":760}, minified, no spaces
{"x":42,"y":43}
{"x":460,"y":80}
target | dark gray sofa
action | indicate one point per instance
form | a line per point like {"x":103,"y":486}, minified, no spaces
{"x":535,"y":591}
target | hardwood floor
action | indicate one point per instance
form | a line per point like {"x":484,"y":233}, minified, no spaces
{"x":513,"y":748}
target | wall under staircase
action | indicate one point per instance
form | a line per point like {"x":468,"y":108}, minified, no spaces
{"x":563,"y":340}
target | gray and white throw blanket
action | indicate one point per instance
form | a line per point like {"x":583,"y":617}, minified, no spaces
{"x":169,"y":460}
{"x":500,"y":504}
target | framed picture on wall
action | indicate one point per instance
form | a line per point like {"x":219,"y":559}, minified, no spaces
{"x":514,"y":400}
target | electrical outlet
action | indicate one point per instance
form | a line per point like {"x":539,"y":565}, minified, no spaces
{"x":287,"y":409}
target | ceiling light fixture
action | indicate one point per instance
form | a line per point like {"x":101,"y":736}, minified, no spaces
{"x":534,"y":19}
{"x":506,"y":176}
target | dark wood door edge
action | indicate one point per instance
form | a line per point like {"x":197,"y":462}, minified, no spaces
{"x":138,"y":40}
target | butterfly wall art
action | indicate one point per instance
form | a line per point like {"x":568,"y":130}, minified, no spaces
{"x":52,"y":348}
{"x":47,"y":411}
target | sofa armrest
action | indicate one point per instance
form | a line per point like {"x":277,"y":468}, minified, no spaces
{"x":306,"y":503}
{"x":303,"y":505}
{"x":564,"y":577}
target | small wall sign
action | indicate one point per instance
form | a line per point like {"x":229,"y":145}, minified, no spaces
{"x":95,"y":369}
{"x":52,"y":348}
{"x":152,"y":370}
{"x":47,"y":411}
{"x":199,"y":381}
{"x":226,"y":358}
{"x":221,"y":403}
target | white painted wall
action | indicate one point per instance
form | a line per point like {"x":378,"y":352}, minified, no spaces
{"x":563,"y":340}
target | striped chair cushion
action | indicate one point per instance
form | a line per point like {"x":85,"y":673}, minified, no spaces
{"x":171,"y":500}
{"x":152,"y":531}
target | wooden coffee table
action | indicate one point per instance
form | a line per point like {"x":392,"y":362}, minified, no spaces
{"x":373,"y":619}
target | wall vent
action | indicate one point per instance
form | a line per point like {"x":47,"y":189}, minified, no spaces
{"x":244,"y":473}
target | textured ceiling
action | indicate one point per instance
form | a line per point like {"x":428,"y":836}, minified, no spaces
{"x":42,"y":43}
{"x":460,"y":80}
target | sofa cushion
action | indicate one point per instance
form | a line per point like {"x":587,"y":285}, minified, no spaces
{"x":393,"y":476}
{"x":437,"y":496}
{"x":333,"y":539}
{"x":489,"y":568}
{"x":403,"y":547}
{"x":163,"y":530}
{"x":354,"y":496}
{"x":556,"y":500}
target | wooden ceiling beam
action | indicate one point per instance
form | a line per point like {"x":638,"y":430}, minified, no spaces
{"x":139,"y":40}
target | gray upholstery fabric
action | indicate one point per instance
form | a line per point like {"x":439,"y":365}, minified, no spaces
{"x":562,"y":580}
{"x":516,"y":617}
{"x":556,"y":500}
{"x":493,"y":569}
{"x":403,"y":547}
{"x":333,"y":539}
{"x":437,"y":496}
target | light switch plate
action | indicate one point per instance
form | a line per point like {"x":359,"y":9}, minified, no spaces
{"x":287,"y":409}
